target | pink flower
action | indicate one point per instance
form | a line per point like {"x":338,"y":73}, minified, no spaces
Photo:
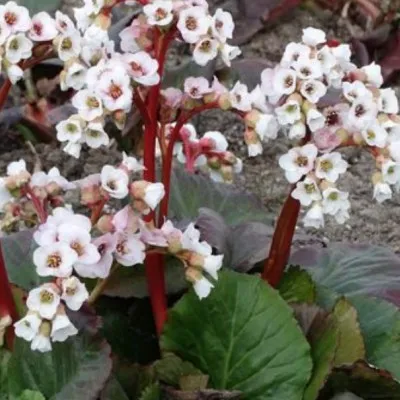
{"x":326,"y":140}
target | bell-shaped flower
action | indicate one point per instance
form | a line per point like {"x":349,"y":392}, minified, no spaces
{"x":114,"y":181}
{"x":329,"y":166}
{"x":44,"y":300}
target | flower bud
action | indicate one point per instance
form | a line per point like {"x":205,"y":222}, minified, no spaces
{"x":53,"y":189}
{"x":105,"y":224}
{"x":90,"y":195}
{"x":119,"y":118}
{"x":252,"y":118}
{"x":343,"y":135}
{"x":193,"y":275}
{"x":358,"y":139}
{"x":214,"y":162}
{"x":103,"y":21}
{"x":224,"y":102}
{"x":227,"y":173}
{"x":377,"y":178}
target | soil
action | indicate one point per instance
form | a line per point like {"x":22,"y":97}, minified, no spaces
{"x":369,"y":222}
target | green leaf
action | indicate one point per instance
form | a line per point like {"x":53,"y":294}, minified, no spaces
{"x":35,"y":6}
{"x":152,"y":392}
{"x":244,"y":337}
{"x":74,"y":370}
{"x":128,"y":327}
{"x":170,"y":369}
{"x":18,"y":252}
{"x":113,"y":391}
{"x":132,"y":282}
{"x":352,"y":270}
{"x":31,"y":395}
{"x":351,"y":347}
{"x":297,"y":286}
{"x":322,"y":333}
{"x":380,"y":325}
{"x":363,"y":380}
{"x":190,"y":192}
{"x":5,"y":356}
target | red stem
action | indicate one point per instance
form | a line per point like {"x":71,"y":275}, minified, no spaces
{"x":281,"y":242}
{"x":5,"y":88}
{"x":7,"y":305}
{"x":167,"y":162}
{"x":154,"y":263}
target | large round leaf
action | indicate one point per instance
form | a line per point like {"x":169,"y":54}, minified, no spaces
{"x":74,"y":370}
{"x":244,"y":336}
{"x":380,"y":325}
{"x":190,"y":192}
{"x":35,"y":6}
{"x":353,"y":270}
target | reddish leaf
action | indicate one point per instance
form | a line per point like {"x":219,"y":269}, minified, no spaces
{"x":391,"y":62}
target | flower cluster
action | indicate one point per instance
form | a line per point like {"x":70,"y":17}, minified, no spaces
{"x":19,"y":35}
{"x":72,"y":246}
{"x":363,"y":115}
{"x":209,"y":154}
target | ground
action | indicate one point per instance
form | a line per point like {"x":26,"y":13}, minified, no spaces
{"x":369,"y":222}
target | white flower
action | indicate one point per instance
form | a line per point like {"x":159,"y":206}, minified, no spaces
{"x":18,"y":47}
{"x":288,"y":113}
{"x":374,"y":74}
{"x":240,"y":97}
{"x":254,"y":149}
{"x":219,"y":140}
{"x":16,"y":167}
{"x":356,"y":90}
{"x":293,"y":52}
{"x":64,"y":23}
{"x":313,"y":90}
{"x":382,"y":192}
{"x":315,"y":120}
{"x":298,"y":161}
{"x":284,"y":81}
{"x":55,"y":259}
{"x":297,"y":131}
{"x":267,"y":127}
{"x":193,"y":23}
{"x":342,"y":54}
{"x":196,"y":88}
{"x":142,"y":68}
{"x":159,"y":12}
{"x":79,"y":240}
{"x":95,"y":136}
{"x":43,"y":28}
{"x":375,"y":135}
{"x":222,"y":25}
{"x":106,"y":245}
{"x":41,"y":179}
{"x":28,"y":327}
{"x":394,"y":150}
{"x":5,"y":195}
{"x":130,"y":250}
{"x":73,"y":149}
{"x":202,"y":287}
{"x":259,"y":101}
{"x":154,"y":192}
{"x":114,"y":181}
{"x":41,"y":343}
{"x":362,"y":113}
{"x":69,"y":130}
{"x":313,"y":37}
{"x":391,"y":172}
{"x":74,"y":293}
{"x":388,"y":102}
{"x":88,"y":104}
{"x":330,"y":166}
{"x":69,"y":46}
{"x":326,"y":59}
{"x":15,"y":17}
{"x":307,"y":192}
{"x":62,"y":328}
{"x":307,"y":68}
{"x":335,"y":201}
{"x":15,"y":73}
{"x":314,"y":216}
{"x":229,"y":53}
{"x":5,"y":32}
{"x":83,"y":18}
{"x":131,"y":163}
{"x":75,"y":77}
{"x":44,"y":300}
{"x":205,"y":51}
{"x":114,"y":89}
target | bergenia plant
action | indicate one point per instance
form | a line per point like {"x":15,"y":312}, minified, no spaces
{"x":315,"y":97}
